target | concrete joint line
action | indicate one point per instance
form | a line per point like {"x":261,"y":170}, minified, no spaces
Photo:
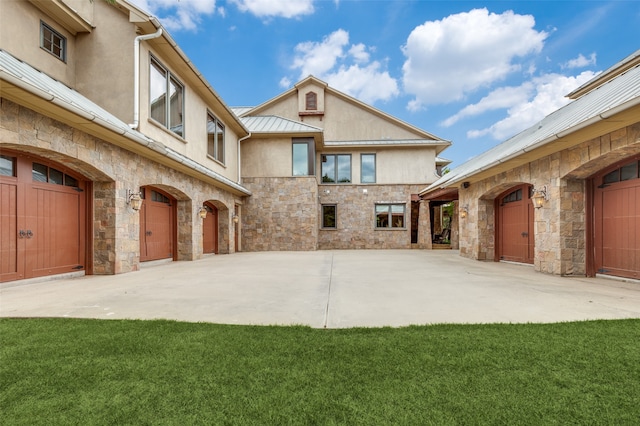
{"x":326,"y":311}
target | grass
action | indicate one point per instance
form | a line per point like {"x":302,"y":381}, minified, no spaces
{"x":72,"y":371}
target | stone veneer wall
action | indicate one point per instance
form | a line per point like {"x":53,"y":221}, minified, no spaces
{"x":355,"y":224}
{"x":560,"y":228}
{"x":281,"y":215}
{"x":113,"y":170}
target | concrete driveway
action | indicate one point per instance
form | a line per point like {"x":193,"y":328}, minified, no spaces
{"x":332,"y":289}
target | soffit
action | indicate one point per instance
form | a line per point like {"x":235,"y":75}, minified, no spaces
{"x":64,"y":15}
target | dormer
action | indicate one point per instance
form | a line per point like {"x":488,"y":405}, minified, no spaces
{"x":310,"y":98}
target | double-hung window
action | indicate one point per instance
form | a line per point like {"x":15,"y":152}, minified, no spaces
{"x":215,"y":138}
{"x":166,"y":97}
{"x":367,"y":168}
{"x":336,"y":168}
{"x":53,"y":42}
{"x":390,"y":215}
{"x":304,"y":155}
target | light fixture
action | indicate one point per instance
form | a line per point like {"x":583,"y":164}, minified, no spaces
{"x":202,"y":212}
{"x":134,"y":199}
{"x":236,"y":218}
{"x":463,"y":212}
{"x":539,"y":197}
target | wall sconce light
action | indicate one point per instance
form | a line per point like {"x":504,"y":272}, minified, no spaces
{"x":236,"y":218}
{"x":365,"y":191}
{"x":134,"y":199}
{"x":539,"y":197}
{"x":202,"y":212}
{"x":463,"y":212}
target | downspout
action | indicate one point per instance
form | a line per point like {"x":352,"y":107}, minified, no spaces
{"x":136,"y":75}
{"x":239,"y":163}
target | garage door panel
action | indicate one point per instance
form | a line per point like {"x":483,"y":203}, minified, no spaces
{"x":10,"y":267}
{"x":515,"y":226}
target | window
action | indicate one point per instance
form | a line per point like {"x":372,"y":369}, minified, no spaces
{"x":311,"y":101}
{"x":215,"y":138}
{"x":303,"y":157}
{"x":166,"y":96}
{"x":329,"y":216}
{"x":512,"y":197}
{"x":336,"y":168}
{"x":367,"y":168}
{"x":7,"y":166}
{"x":627,"y":172}
{"x":390,"y":215}
{"x":53,"y":42}
{"x":44,"y":173}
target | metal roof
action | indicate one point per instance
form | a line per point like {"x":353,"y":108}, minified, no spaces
{"x":612,"y":97}
{"x":240,"y":111}
{"x":40,"y":84}
{"x":275,"y":124}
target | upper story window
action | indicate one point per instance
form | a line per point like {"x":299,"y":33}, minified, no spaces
{"x":304,"y":155}
{"x":311,"y":101}
{"x":53,"y":42}
{"x":368,"y":168}
{"x":215,"y":138}
{"x":336,"y":168}
{"x":166,"y":95}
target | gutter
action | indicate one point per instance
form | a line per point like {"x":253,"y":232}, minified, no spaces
{"x":239,"y":163}
{"x":136,"y":75}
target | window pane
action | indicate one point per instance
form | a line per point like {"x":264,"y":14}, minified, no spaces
{"x":328,"y":216}
{"x":158,"y":93}
{"x":39,"y":172}
{"x":56,"y":176}
{"x":220,"y":143}
{"x":612,"y":177}
{"x":397,"y":216}
{"x":368,"y":168}
{"x":344,"y":168}
{"x":300,"y":159}
{"x":328,"y":168}
{"x":7,"y":166}
{"x":630,"y":171}
{"x":175,"y":107}
{"x":70,"y":181}
{"x":382,"y":216}
{"x":211,"y":136}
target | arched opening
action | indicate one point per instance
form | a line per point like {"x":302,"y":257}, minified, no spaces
{"x":514,"y":225}
{"x":210,"y":229}
{"x":157,"y":225}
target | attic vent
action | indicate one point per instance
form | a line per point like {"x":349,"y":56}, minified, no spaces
{"x":311,"y":101}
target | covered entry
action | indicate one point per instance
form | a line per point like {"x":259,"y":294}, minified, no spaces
{"x":42,"y":218}
{"x":157,"y":225}
{"x":514,"y":229}
{"x":617,"y":220}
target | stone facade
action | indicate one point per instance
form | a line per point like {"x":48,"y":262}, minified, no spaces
{"x":281,"y":215}
{"x":112,"y":170}
{"x":560,"y":225}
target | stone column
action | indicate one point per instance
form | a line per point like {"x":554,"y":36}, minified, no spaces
{"x":424,"y":226}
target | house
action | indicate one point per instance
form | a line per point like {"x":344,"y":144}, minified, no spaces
{"x":115,"y":152}
{"x":329,"y":172}
{"x":564,"y":194}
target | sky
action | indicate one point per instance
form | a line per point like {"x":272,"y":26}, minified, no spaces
{"x":472,"y":72}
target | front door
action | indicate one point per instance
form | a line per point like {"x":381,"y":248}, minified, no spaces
{"x":157,"y":228}
{"x":515,"y":225}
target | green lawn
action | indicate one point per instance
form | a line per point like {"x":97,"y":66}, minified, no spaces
{"x":71,"y":371}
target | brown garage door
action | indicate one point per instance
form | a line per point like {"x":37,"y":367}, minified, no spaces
{"x":210,"y":230}
{"x":617,"y":221}
{"x":157,"y":225}
{"x":42,"y":214}
{"x":515,"y":234}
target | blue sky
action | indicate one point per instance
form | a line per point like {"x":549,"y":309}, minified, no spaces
{"x":474,"y":73}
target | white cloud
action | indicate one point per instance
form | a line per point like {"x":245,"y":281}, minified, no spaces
{"x":449,"y":58}
{"x":548,"y":94}
{"x":276,"y":8}
{"x":581,"y":61}
{"x":346,"y":67}
{"x":178,"y":15}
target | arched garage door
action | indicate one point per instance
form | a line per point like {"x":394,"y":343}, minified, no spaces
{"x":617,"y":221}
{"x":42,"y":218}
{"x":157,"y":225}
{"x":210,"y":230}
{"x":515,"y":234}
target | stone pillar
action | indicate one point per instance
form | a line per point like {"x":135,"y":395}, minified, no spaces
{"x":424,"y":226}
{"x":455,"y":230}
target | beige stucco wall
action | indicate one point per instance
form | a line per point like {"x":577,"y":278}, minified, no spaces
{"x":560,"y":225}
{"x":267,"y":157}
{"x":20,"y":36}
